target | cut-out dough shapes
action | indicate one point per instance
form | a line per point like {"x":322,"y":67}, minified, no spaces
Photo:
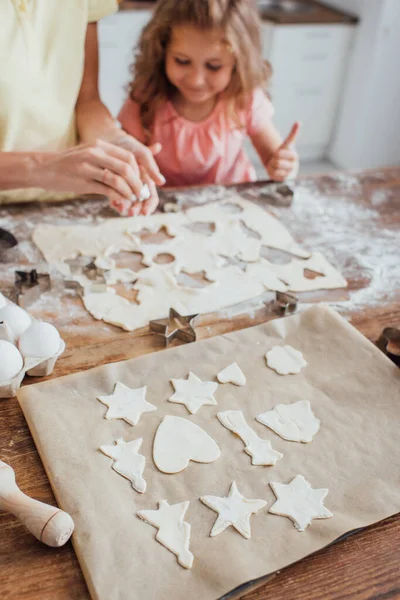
{"x":126,"y":403}
{"x":232,"y":374}
{"x":285,"y":360}
{"x":178,"y":441}
{"x":293,"y":422}
{"x":128,"y":462}
{"x":193,"y":392}
{"x":234,"y":510}
{"x":260,"y":450}
{"x":173,"y":532}
{"x":300,"y":502}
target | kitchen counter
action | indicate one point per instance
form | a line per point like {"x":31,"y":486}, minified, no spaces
{"x":317,"y":13}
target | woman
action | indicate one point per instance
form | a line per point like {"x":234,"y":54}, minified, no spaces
{"x":49,"y":102}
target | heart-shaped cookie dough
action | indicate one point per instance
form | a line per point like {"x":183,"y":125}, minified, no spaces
{"x":178,"y":441}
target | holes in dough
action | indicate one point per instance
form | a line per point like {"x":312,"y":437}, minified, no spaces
{"x":275,"y":256}
{"x":161,"y":236}
{"x":164,"y":258}
{"x":195,"y":280}
{"x":128,"y":260}
{"x":309,"y":274}
{"x":202,"y":228}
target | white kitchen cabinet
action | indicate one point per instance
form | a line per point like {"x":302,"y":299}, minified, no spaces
{"x":118,"y":36}
{"x":309,"y":65}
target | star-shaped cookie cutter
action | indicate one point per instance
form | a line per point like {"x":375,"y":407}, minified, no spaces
{"x":389,"y":343}
{"x":29,"y":286}
{"x":87,"y":267}
{"x":283,"y":304}
{"x":175,"y":326}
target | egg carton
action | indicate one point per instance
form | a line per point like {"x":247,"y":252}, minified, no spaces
{"x":33,"y":366}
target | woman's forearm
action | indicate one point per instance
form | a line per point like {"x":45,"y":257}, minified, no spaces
{"x":19,"y":170}
{"x":94,"y":121}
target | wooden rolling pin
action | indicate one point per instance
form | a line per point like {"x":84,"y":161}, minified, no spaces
{"x":48,"y":524}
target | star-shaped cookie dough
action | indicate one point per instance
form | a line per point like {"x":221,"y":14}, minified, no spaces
{"x":300,"y":502}
{"x":126,"y":403}
{"x":193,"y":392}
{"x":234,"y":510}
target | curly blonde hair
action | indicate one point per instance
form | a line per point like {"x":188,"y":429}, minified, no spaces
{"x":240,"y":24}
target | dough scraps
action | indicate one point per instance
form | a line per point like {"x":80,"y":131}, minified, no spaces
{"x":173,"y":532}
{"x":128,"y":462}
{"x":234,"y":510}
{"x":300,"y":502}
{"x":178,"y":441}
{"x":126,"y":403}
{"x":193,"y":392}
{"x":232,"y":374}
{"x":285,"y":360}
{"x":260,"y":450}
{"x":293,"y":422}
{"x":239,"y":235}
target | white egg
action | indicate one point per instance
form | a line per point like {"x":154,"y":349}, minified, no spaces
{"x":16,"y":318}
{"x":41,"y":340}
{"x":10,"y":361}
{"x":2,"y":300}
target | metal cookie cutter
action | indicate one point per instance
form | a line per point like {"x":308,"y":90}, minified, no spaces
{"x":29,"y":286}
{"x":86,"y":268}
{"x":7,"y":240}
{"x":389,"y":343}
{"x":284,"y":303}
{"x":175,"y":326}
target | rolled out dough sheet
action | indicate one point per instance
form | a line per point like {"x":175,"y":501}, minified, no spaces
{"x":238,"y":230}
{"x":352,"y":387}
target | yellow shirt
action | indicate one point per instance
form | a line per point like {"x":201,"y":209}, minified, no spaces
{"x":41,"y":68}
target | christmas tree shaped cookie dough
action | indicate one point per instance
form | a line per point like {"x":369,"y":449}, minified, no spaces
{"x":300,"y":502}
{"x":234,"y":510}
{"x":293,"y":422}
{"x":126,"y":403}
{"x":128,"y":462}
{"x":193,"y":392}
{"x":173,"y":531}
{"x":260,"y":450}
{"x":285,"y":360}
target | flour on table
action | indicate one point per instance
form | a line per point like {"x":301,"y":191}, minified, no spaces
{"x":128,"y":462}
{"x":178,"y":441}
{"x":173,"y":531}
{"x":239,"y":235}
{"x":126,"y":403}
{"x":193,"y":392}
{"x":300,"y":502}
{"x":234,"y":510}
{"x":285,"y":360}
{"x":260,"y":450}
{"x":293,"y":422}
{"x":232,"y":374}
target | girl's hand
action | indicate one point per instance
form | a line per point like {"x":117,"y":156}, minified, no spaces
{"x":284,"y":160}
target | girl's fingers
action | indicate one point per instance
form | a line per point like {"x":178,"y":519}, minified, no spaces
{"x":285,"y":165}
{"x":150,"y":205}
{"x":279,"y":175}
{"x":155,"y":149}
{"x":146,"y":161}
{"x":286,"y":154}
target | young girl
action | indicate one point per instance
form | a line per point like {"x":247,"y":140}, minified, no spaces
{"x":198,"y":92}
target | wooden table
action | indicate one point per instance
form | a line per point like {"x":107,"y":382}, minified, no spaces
{"x":354,"y":220}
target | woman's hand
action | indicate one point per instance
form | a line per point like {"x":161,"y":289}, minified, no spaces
{"x":284,"y":161}
{"x":149,"y":174}
{"x":97,"y":168}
